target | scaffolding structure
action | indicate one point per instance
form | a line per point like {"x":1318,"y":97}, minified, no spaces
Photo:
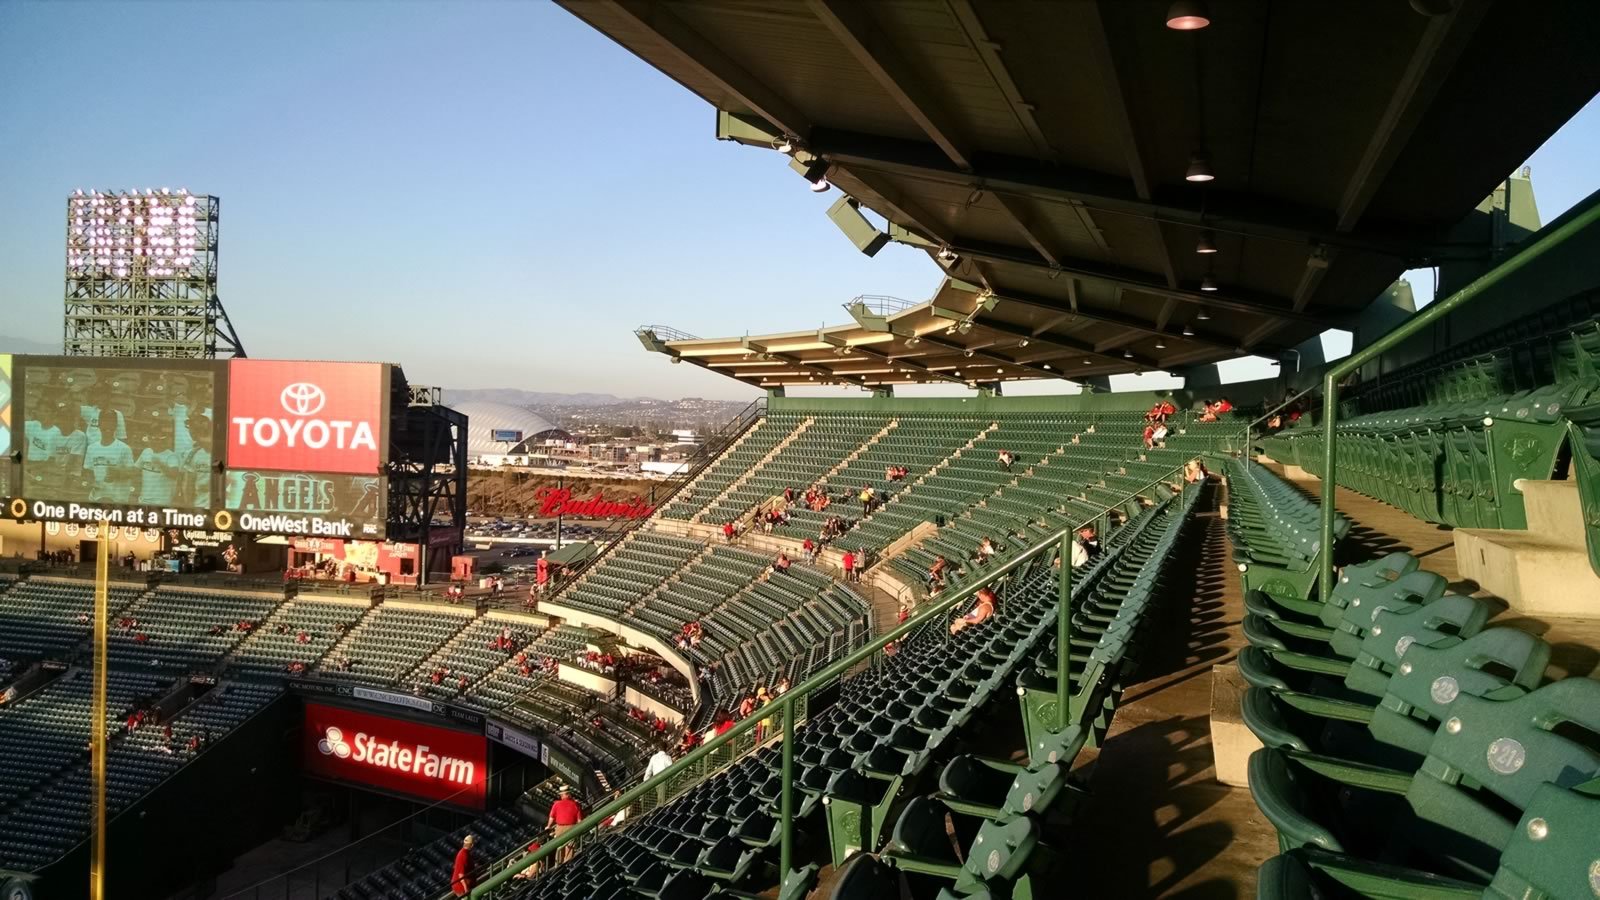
{"x":141,"y":277}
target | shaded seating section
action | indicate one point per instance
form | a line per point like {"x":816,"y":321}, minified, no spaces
{"x":857,"y":759}
{"x":423,"y":873}
{"x":39,"y":617}
{"x":41,"y":736}
{"x":1446,"y":440}
{"x":178,"y":626}
{"x":269,"y":651}
{"x":386,"y":645}
{"x":55,"y":819}
{"x":1411,"y":746}
{"x":755,"y":444}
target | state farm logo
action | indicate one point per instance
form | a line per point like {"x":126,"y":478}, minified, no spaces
{"x":333,"y":744}
{"x":303,"y":399}
{"x":408,"y":758}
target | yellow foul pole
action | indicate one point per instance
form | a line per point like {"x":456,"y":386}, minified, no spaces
{"x":97,"y":728}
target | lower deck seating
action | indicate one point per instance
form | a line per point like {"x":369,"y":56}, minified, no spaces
{"x":47,"y":618}
{"x":858,"y":758}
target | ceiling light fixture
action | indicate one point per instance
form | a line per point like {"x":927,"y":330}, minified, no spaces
{"x":1188,"y":15}
{"x":913,"y":341}
{"x":1127,"y":354}
{"x":967,"y":353}
{"x":1206,"y":244}
{"x":817,"y":174}
{"x":964,"y":327}
{"x":1023,"y":342}
{"x":1187,"y":331}
{"x":1199,"y":168}
{"x":1160,"y":344}
{"x":1046,"y":366}
{"x":946,"y":254}
{"x":1208,"y":283}
{"x":1203,"y":316}
{"x":1087,"y":361}
{"x":820,"y":186}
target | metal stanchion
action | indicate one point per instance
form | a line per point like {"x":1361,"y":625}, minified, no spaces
{"x":97,"y":728}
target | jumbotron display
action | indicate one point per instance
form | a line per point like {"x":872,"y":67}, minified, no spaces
{"x":259,"y":446}
{"x":155,"y":234}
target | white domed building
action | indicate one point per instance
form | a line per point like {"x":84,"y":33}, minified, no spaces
{"x":490,"y":425}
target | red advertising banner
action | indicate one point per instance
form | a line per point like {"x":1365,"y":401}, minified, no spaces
{"x":294,"y":416}
{"x":559,"y":501}
{"x":394,"y":755}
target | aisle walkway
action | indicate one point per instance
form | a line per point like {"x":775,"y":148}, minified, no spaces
{"x":1157,"y":823}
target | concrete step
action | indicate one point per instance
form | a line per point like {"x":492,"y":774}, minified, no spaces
{"x":1532,"y":573}
{"x":1554,"y":513}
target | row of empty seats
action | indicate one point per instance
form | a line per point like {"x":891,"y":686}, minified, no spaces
{"x":1411,"y":746}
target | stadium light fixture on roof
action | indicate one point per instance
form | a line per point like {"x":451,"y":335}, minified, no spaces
{"x":1208,"y":283}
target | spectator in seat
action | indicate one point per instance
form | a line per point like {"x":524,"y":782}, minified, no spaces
{"x":781,"y":565}
{"x":727,"y":532}
{"x":1006,"y":459}
{"x":564,"y":813}
{"x":982,"y":610}
{"x":461,"y":873}
{"x":1090,"y":539}
{"x":936,"y":571}
{"x":986,"y":549}
{"x":1194,"y":472}
{"x":534,"y":870}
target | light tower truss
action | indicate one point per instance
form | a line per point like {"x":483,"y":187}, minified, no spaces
{"x":141,"y":277}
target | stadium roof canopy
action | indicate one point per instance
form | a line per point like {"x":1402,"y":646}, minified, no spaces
{"x":1040,"y":150}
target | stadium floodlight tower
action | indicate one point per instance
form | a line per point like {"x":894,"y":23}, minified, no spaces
{"x":142,"y":276}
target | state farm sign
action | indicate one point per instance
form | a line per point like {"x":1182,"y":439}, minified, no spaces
{"x":287,"y":415}
{"x":396,"y":755}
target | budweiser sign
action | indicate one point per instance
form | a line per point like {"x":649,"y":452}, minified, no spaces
{"x":305,"y":416}
{"x":560,"y":502}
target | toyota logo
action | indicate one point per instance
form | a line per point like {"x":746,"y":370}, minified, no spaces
{"x":302,"y":399}
{"x":333,"y":744}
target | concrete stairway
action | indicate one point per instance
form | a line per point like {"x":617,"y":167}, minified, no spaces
{"x":1543,"y":570}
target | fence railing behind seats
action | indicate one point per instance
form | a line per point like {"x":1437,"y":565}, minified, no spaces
{"x":789,"y":709}
{"x":1434,"y":312}
{"x":707,"y":453}
{"x":1248,"y":433}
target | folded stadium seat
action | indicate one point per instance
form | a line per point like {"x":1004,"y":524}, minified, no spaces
{"x":1483,"y":769}
{"x":998,"y":853}
{"x":996,"y":790}
{"x":1500,"y":664}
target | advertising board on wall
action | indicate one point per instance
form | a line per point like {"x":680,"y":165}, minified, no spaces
{"x":306,"y":503}
{"x":293,"y":416}
{"x":396,"y":755}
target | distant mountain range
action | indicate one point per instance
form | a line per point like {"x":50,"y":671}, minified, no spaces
{"x":10,"y":344}
{"x":518,"y":397}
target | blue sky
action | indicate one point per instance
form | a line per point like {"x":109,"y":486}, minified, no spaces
{"x":491,"y":194}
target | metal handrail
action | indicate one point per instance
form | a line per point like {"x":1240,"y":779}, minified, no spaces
{"x":882,"y":304}
{"x":1433,"y":313}
{"x":1249,"y":428}
{"x":1057,"y":540}
{"x":667,"y":333}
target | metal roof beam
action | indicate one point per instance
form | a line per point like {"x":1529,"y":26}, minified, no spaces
{"x":694,"y":51}
{"x":1214,"y":341}
{"x":1068,"y":344}
{"x":1000,"y":358}
{"x":1227,"y":211}
{"x":1239,"y":301}
{"x":1011,"y":207}
{"x":851,"y":22}
{"x":1442,"y":43}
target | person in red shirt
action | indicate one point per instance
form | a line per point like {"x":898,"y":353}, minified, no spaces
{"x":534,"y":870}
{"x":565,"y":813}
{"x":727,"y":532}
{"x":980,"y":612}
{"x":781,"y":566}
{"x":849,"y":563}
{"x":810,"y":547}
{"x":461,"y":874}
{"x":1149,"y":436}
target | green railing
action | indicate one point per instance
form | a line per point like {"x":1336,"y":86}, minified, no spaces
{"x":1434,"y":312}
{"x":798,"y":696}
